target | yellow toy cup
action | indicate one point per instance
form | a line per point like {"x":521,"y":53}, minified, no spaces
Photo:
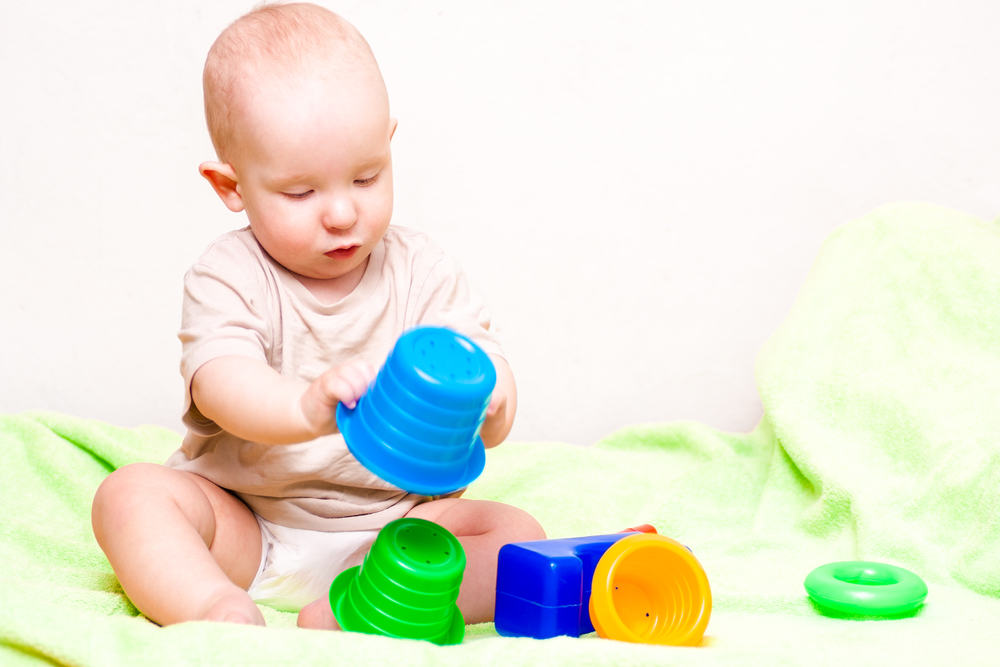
{"x":650,"y":589}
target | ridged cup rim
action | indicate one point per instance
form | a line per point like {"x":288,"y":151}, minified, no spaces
{"x":666,"y":567}
{"x":452,"y":629}
{"x":456,"y":429}
{"x":394,"y":431}
{"x":437,"y":411}
{"x":411,"y":474}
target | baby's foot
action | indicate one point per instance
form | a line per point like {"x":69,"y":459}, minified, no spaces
{"x":233,"y":606}
{"x":318,"y":616}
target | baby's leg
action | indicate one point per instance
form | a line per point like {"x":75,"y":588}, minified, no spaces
{"x":183,"y":548}
{"x":482,"y":526}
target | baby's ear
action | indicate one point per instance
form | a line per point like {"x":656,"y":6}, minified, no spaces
{"x":222,"y":176}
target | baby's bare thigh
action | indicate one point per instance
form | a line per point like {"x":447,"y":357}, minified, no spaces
{"x":236,"y":543}
{"x":226,"y":526}
{"x":466,"y":517}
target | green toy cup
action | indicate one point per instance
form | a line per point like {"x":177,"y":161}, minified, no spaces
{"x":406,"y":587}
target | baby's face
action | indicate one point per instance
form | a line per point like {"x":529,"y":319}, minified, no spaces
{"x":314,"y":171}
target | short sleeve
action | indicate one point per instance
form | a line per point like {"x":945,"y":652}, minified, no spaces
{"x":223,"y":314}
{"x":445,"y":297}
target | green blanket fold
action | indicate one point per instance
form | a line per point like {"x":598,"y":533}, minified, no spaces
{"x":880,"y":440}
{"x":883,"y":386}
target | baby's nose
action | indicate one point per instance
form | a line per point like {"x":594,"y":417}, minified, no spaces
{"x":340,"y":213}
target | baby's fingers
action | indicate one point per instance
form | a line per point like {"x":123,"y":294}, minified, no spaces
{"x":497,"y":402}
{"x":348,"y":383}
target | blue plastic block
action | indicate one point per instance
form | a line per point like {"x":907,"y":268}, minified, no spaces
{"x":543,"y":587}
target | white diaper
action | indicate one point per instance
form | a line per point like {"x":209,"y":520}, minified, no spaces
{"x":297,"y":566}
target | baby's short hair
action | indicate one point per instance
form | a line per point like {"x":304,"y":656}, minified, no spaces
{"x":278,"y":38}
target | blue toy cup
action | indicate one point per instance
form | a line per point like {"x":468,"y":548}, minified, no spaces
{"x":417,"y":426}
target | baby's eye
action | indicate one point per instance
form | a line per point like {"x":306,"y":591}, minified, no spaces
{"x":366,"y":181}
{"x":297,"y":195}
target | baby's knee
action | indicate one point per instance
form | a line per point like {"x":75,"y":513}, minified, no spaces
{"x":490,"y":519}
{"x":114,"y":496}
{"x":532,"y":529}
{"x":520,"y":526}
{"x":123,"y":484}
{"x":133,"y":487}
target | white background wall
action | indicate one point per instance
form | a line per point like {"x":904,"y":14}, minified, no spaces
{"x":639,"y":188}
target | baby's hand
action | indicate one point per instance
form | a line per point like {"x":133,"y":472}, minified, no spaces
{"x":502,"y":406}
{"x":498,"y":404}
{"x":342,"y":384}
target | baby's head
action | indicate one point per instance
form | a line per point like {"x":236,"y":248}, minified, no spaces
{"x":299,"y":117}
{"x":270,"y":50}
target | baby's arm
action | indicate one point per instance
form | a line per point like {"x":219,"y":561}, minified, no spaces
{"x":251,"y":400}
{"x":503,"y":405}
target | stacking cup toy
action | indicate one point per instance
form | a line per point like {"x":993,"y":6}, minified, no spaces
{"x":406,"y":587}
{"x":865,"y":588}
{"x":418,"y":424}
{"x":649,"y":588}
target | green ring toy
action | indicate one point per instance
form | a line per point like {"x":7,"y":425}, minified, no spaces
{"x":865,"y":588}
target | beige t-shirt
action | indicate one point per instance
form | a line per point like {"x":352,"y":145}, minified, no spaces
{"x":239,"y":301}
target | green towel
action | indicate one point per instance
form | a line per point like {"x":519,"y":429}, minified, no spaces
{"x":883,"y":387}
{"x":880,"y":440}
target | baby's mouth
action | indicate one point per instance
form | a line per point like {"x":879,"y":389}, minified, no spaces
{"x":342,"y":253}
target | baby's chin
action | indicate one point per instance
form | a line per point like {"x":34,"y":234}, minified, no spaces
{"x":335,"y":281}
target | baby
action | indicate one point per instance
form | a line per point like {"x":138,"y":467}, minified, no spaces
{"x":282,"y":321}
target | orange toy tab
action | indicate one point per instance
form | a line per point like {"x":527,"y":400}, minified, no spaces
{"x":644,"y":528}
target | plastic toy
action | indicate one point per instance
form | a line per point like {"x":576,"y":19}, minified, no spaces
{"x":639,"y":587}
{"x":406,"y":587}
{"x":418,"y":425}
{"x":650,"y":589}
{"x":543,"y":587}
{"x":865,"y":588}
